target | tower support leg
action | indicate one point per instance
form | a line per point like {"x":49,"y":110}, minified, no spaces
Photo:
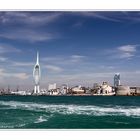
{"x":35,"y":89}
{"x":38,"y":90}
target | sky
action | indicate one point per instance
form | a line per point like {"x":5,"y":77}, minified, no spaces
{"x":75,"y":48}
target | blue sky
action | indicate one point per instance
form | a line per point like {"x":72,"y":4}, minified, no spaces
{"x":75,"y":47}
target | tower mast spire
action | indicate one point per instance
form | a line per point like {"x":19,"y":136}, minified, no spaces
{"x":37,"y":60}
{"x":36,"y":75}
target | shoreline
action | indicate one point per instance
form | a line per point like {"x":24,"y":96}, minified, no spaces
{"x":76,"y":95}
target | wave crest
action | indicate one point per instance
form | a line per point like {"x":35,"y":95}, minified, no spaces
{"x":73,"y":109}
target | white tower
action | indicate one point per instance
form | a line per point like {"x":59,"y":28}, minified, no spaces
{"x":117,"y":80}
{"x":37,"y":75}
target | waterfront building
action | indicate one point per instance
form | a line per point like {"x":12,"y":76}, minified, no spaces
{"x":78,"y":89}
{"x":37,"y":75}
{"x":64,"y":89}
{"x":105,"y":88}
{"x":52,"y":86}
{"x":123,"y":90}
{"x":117,"y":81}
{"x":44,"y":92}
{"x":53,"y":90}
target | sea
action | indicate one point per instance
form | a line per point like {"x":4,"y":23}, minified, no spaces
{"x":69,"y":112}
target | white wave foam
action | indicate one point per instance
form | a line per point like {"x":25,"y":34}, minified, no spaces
{"x":41,"y":119}
{"x":11,"y":125}
{"x":74,"y":109}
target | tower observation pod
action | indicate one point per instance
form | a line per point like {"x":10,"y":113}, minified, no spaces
{"x":37,"y":75}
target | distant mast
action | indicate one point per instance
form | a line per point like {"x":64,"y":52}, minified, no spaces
{"x":37,"y":75}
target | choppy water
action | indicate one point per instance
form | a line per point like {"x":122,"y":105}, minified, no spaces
{"x":69,"y":112}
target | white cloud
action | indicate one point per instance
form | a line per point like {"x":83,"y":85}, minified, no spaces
{"x":3,"y":59}
{"x":126,"y":55}
{"x":66,"y":60}
{"x":121,"y":16}
{"x":127,"y":51}
{"x":122,"y":52}
{"x":77,"y":58}
{"x":5,"y":48}
{"x":99,"y":15}
{"x":51,"y":59}
{"x":127,"y":48}
{"x":22,"y":63}
{"x":29,"y":18}
{"x":29,"y":31}
{"x":27,"y":35}
{"x":53,"y":68}
{"x":21,"y":76}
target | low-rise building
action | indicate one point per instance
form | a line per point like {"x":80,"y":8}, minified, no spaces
{"x":78,"y":90}
{"x":123,"y":90}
